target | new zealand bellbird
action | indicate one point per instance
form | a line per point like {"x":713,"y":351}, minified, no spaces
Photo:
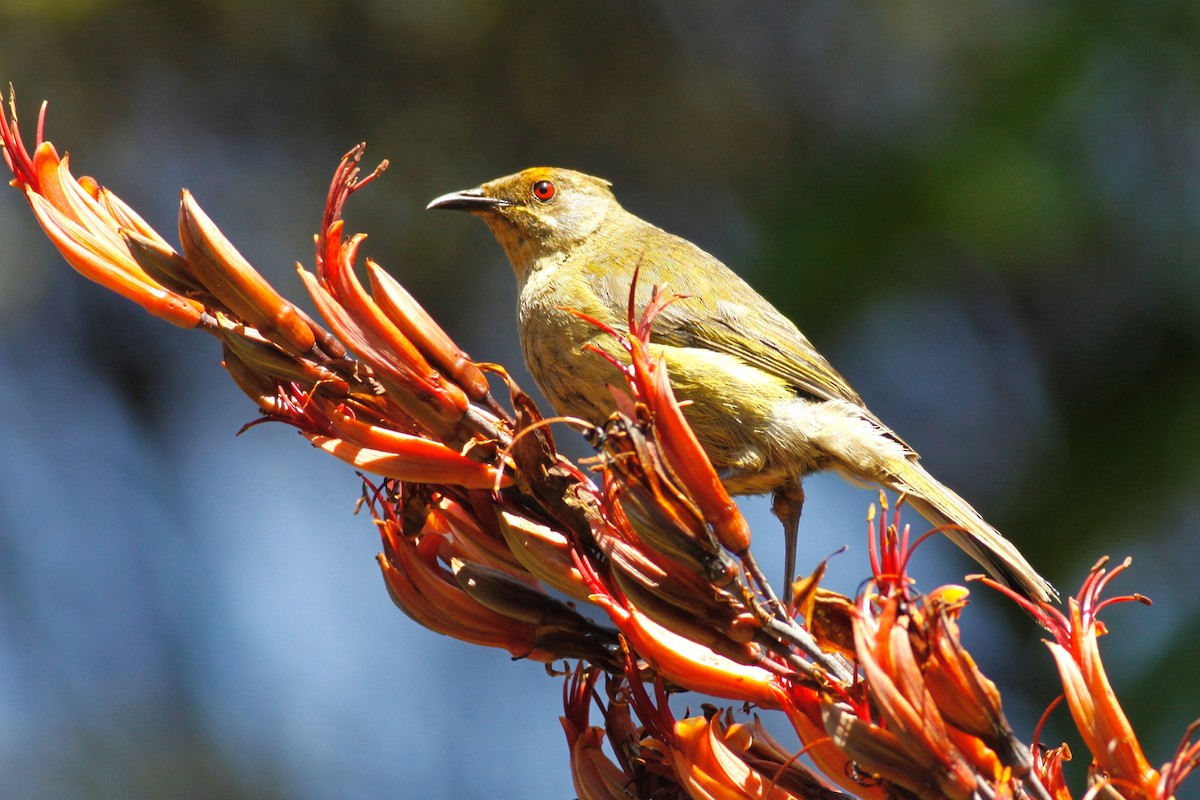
{"x":766,"y":406}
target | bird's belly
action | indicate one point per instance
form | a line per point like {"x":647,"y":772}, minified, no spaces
{"x":734,"y":409}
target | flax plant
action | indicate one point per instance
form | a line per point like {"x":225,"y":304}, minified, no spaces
{"x":630,"y":576}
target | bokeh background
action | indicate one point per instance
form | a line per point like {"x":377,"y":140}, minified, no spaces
{"x":986,"y":213}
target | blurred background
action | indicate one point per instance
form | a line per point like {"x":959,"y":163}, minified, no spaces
{"x":986,"y":214}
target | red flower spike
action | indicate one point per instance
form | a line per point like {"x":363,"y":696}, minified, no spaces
{"x":918,"y":718}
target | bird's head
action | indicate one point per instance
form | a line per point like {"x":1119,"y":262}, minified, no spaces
{"x":537,"y":213}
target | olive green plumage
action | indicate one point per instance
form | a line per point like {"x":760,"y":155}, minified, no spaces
{"x":768,"y":408}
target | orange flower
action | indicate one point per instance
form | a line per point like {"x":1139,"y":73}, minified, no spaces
{"x":688,"y":663}
{"x":1117,"y":756}
{"x":476,"y":603}
{"x":379,"y":332}
{"x":714,"y":757}
{"x":222,"y":270}
{"x":86,"y":223}
{"x":910,"y":745}
{"x":967,"y":699}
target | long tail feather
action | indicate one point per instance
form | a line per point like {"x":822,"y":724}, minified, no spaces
{"x":998,"y":556}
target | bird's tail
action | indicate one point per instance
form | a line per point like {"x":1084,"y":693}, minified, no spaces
{"x":969,"y":531}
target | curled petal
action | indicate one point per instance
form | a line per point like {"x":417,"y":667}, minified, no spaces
{"x":1098,"y":716}
{"x":1049,"y":766}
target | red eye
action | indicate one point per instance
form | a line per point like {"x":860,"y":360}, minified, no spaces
{"x":544,"y":191}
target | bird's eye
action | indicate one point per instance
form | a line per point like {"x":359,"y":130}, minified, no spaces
{"x":544,"y":191}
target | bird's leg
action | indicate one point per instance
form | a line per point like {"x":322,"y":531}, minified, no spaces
{"x":772,"y":605}
{"x":786,"y":504}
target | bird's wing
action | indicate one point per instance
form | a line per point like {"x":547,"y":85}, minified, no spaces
{"x":761,"y":339}
{"x":740,"y":322}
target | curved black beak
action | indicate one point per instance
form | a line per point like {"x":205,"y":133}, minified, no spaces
{"x":466,"y":200}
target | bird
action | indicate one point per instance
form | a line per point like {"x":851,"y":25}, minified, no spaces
{"x":766,"y":406}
